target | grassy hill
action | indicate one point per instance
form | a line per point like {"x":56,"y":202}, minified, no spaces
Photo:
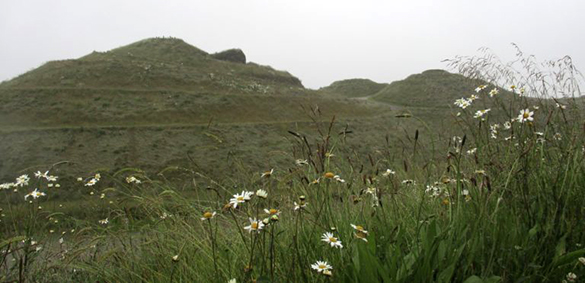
{"x":159,"y":102}
{"x":432,"y":88}
{"x":353,"y":88}
{"x":157,"y":63}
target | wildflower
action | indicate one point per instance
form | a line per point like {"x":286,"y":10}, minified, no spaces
{"x":208,"y":215}
{"x":35,"y":194}
{"x":233,"y":280}
{"x":494,"y":130}
{"x":102,"y":196}
{"x":480,"y":172}
{"x":327,"y":273}
{"x":371,"y":190}
{"x":408,"y":182}
{"x":522,"y":90}
{"x":262,"y":193}
{"x":240,"y":198}
{"x":267,"y":174}
{"x":434,"y":191}
{"x":361,"y":233}
{"x":582,"y":260}
{"x":272,"y":211}
{"x":481,"y":113}
{"x":301,"y":162}
{"x":512,"y":88}
{"x":79,"y":179}
{"x":329,"y":154}
{"x":338,"y":179}
{"x":7,"y":186}
{"x":330,"y":239}
{"x":494,"y":92}
{"x":472,"y":151}
{"x":175,"y":258}
{"x":535,"y":107}
{"x":132,"y":179}
{"x":480,"y":88}
{"x":39,"y":175}
{"x":473,"y":97}
{"x":465,"y":193}
{"x":61,"y":241}
{"x":301,"y":205}
{"x":329,"y":175}
{"x":561,"y":106}
{"x":462,"y":103}
{"x":22,"y":181}
{"x":321,"y":266}
{"x":91,"y":182}
{"x":571,"y":277}
{"x":388,"y":173}
{"x":255,"y":225}
{"x":525,"y":116}
{"x":507,"y":125}
{"x":558,"y":136}
{"x":445,"y":201}
{"x":104,"y":221}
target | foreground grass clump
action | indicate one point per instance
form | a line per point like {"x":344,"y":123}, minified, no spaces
{"x":503,"y":204}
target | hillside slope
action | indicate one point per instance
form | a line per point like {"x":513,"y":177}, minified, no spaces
{"x":157,"y":63}
{"x":432,"y":88}
{"x":353,"y":88}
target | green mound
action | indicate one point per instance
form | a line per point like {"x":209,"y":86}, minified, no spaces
{"x":159,"y":63}
{"x":353,"y":88}
{"x":432,"y":88}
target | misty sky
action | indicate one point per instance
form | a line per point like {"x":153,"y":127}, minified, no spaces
{"x":317,"y":41}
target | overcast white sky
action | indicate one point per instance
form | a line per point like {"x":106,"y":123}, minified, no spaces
{"x":317,"y":41}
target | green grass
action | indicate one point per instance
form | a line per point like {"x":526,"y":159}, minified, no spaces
{"x":480,"y":207}
{"x":353,"y":88}
{"x":510,"y":211}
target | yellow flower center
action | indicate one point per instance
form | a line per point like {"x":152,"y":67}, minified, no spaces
{"x":322,"y":266}
{"x":333,"y":239}
{"x":525,"y":115}
{"x":273,"y":211}
{"x":254,"y":225}
{"x":329,"y":175}
{"x":359,"y":228}
{"x":208,"y":215}
{"x":240,"y":198}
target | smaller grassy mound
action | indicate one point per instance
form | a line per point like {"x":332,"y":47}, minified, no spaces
{"x":354,"y":88}
{"x":432,"y":88}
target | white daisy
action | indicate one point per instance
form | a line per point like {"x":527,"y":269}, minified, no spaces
{"x":494,"y":92}
{"x":321,"y":266}
{"x":240,"y":198}
{"x":255,"y":226}
{"x":208,"y":215}
{"x":360,"y":233}
{"x":388,"y":173}
{"x":35,"y":194}
{"x":525,"y":116}
{"x":481,"y":113}
{"x":261,"y":193}
{"x":267,"y":173}
{"x":333,"y":241}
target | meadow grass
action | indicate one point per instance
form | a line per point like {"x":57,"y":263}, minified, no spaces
{"x":493,"y":204}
